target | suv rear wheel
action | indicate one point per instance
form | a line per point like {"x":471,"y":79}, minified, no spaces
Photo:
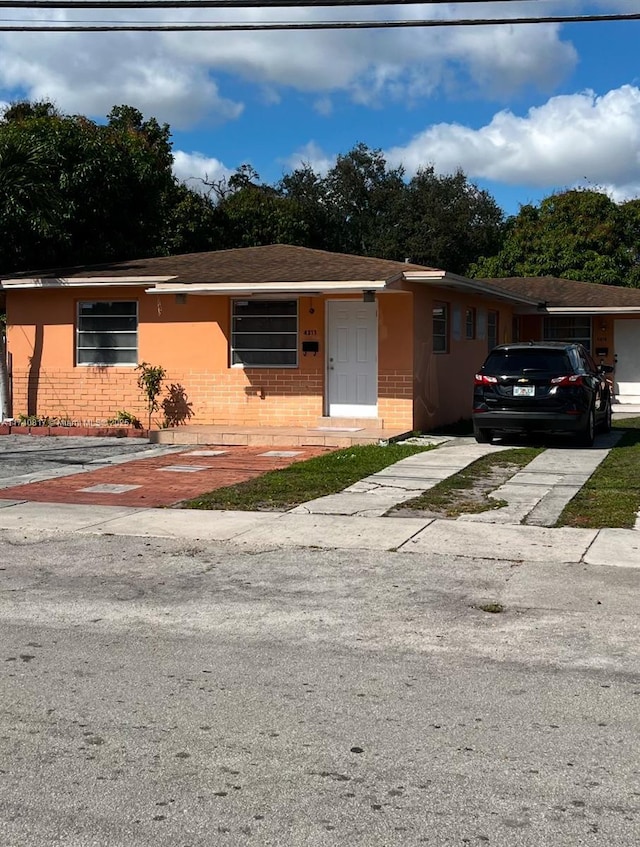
{"x":483,"y":435}
{"x":588,"y":434}
{"x":608,"y":415}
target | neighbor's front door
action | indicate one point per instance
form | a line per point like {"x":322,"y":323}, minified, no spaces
{"x":626,"y":336}
{"x":352,"y":359}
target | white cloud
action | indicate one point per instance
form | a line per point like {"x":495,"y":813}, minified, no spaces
{"x":313,"y":155}
{"x":569,"y":139}
{"x":169,"y":75}
{"x":88,"y":74}
{"x":195,"y":169}
{"x":375,"y":64}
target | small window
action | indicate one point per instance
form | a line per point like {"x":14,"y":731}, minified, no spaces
{"x":440,"y":328}
{"x":492,"y":328}
{"x":107,"y":333}
{"x":265,"y":333}
{"x":470,"y":324}
{"x":571,"y":328}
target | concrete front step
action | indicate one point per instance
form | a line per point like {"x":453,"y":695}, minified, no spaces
{"x":273,"y":436}
{"x":351,"y":423}
{"x":627,"y":409}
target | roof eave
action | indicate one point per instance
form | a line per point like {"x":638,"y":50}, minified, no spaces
{"x":315,"y":287}
{"x":80,"y":282}
{"x":461,"y":282}
{"x":592,"y":310}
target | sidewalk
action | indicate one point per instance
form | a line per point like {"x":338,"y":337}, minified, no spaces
{"x":258,"y":531}
{"x":352,"y":519}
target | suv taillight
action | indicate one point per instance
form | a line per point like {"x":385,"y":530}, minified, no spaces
{"x":482,"y":379}
{"x":573,"y":379}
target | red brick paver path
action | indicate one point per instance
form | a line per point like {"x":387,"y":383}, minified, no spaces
{"x":157,"y":487}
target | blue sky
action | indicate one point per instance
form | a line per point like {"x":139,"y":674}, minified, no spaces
{"x":523,"y":110}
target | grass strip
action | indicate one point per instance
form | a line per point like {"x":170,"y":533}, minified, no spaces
{"x":467,"y":492}
{"x":611,"y":495}
{"x":302,"y":481}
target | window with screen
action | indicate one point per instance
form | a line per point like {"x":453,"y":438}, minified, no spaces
{"x":568,"y":328}
{"x":107,"y":332}
{"x":492,"y":328}
{"x":264,"y":333}
{"x":440,"y":328}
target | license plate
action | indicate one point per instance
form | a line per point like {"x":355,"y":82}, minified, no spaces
{"x":524,"y":391}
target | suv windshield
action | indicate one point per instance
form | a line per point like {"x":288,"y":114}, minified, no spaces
{"x":513,"y":362}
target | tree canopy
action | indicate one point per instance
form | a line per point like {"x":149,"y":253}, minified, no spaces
{"x":577,"y":234}
{"x":363,"y":206}
{"x":73,"y":191}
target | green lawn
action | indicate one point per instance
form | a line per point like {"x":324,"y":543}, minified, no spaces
{"x":302,"y":481}
{"x":611,"y":497}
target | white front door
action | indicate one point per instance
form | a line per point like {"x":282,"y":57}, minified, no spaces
{"x":626,"y":336}
{"x":352,"y":359}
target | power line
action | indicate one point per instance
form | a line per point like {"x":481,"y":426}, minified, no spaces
{"x":315,"y":25}
{"x":227,"y":4}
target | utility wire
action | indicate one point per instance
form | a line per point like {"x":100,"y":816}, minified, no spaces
{"x":227,"y":4}
{"x":316,"y":25}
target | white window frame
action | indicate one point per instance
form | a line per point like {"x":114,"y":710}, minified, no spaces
{"x":445,"y":320}
{"x":79,"y":330}
{"x":470,"y":323}
{"x":493,"y":338}
{"x":235,"y":333}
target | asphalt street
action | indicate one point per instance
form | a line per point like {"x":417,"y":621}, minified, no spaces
{"x":166,"y":692}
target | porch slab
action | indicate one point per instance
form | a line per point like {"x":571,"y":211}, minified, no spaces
{"x":274,"y":436}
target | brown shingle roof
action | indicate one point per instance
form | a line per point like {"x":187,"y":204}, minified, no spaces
{"x":273,"y":263}
{"x":568,"y":293}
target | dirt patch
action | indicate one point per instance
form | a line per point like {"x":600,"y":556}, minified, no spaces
{"x":460,"y":500}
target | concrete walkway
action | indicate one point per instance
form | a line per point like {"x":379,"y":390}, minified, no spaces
{"x":536,"y":495}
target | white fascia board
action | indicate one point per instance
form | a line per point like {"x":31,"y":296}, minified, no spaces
{"x":592,"y":310}
{"x":82,"y":282}
{"x":454,"y":281}
{"x":251,"y":289}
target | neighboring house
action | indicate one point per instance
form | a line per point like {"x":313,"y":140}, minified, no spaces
{"x":605,"y":318}
{"x":281,"y":335}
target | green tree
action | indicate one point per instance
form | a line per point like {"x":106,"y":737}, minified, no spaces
{"x":576,"y":234}
{"x":29,"y":202}
{"x":366,"y":198}
{"x":251,"y":214}
{"x":111,"y":185}
{"x":309,"y":191}
{"x":364,"y":206}
{"x":192,"y":223}
{"x":447,"y":222}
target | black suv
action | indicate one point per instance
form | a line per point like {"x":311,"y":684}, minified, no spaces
{"x":541,"y":386}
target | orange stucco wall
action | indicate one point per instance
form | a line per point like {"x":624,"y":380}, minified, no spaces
{"x":417,"y":388}
{"x":191,"y":341}
{"x":443,"y":382}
